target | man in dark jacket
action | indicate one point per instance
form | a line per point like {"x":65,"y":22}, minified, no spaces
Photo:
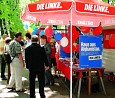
{"x":35,"y":58}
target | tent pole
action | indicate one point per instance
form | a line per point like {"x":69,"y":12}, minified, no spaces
{"x":71,"y":63}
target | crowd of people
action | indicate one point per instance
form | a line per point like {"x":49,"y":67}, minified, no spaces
{"x":36,"y":54}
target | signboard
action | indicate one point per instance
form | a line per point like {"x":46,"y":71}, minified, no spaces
{"x":90,"y":54}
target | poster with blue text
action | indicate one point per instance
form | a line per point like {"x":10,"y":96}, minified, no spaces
{"x":90,"y":55}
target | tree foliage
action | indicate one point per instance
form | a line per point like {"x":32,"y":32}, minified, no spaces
{"x":110,"y":1}
{"x":10,"y":15}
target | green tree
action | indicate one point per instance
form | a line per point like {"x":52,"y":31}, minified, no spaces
{"x":110,"y":1}
{"x":10,"y":16}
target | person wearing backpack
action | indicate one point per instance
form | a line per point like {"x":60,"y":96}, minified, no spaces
{"x":8,"y":58}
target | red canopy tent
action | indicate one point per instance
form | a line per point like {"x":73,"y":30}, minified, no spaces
{"x":74,"y":12}
{"x":59,"y":12}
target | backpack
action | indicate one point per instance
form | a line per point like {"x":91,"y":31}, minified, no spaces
{"x":7,"y":57}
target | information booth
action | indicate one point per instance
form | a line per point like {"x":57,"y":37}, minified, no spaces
{"x":88,"y":13}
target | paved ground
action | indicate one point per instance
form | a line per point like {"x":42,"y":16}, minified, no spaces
{"x":59,"y":90}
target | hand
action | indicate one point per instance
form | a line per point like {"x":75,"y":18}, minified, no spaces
{"x":23,"y":64}
{"x":46,"y":67}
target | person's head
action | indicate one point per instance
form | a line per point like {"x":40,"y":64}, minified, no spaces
{"x":52,"y":44}
{"x":43,"y":39}
{"x":4,"y":36}
{"x":28,"y":36}
{"x":18,"y":36}
{"x":34,"y":39}
{"x":7,"y":40}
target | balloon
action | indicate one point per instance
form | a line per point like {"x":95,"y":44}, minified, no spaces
{"x":112,"y":41}
{"x":30,"y":30}
{"x":48,"y":39}
{"x":48,"y":31}
{"x":97,"y":31}
{"x":34,"y":32}
{"x":67,"y":49}
{"x":63,"y":54}
{"x":36,"y":29}
{"x":63,"y":34}
{"x":26,"y":26}
{"x":64,"y":42}
{"x":85,"y":29}
{"x":41,"y":32}
{"x":27,"y":31}
{"x":33,"y":27}
{"x":58,"y":36}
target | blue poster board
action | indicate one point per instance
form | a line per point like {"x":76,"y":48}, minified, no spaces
{"x":90,"y":55}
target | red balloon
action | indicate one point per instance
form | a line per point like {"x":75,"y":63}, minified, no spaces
{"x":48,"y":31}
{"x":97,"y":31}
{"x":112,"y":41}
{"x":48,"y":39}
{"x":67,"y":48}
{"x":63,"y":34}
{"x":85,"y":29}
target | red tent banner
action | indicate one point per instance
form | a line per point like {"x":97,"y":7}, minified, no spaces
{"x":49,"y":6}
{"x":58,"y":12}
{"x":94,"y":6}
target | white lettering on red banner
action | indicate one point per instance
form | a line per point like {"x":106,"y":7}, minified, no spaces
{"x":30,"y":18}
{"x":90,"y":23}
{"x":54,"y":21}
{"x":96,"y":8}
{"x":49,"y":6}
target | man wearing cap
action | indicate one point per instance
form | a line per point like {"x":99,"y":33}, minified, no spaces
{"x":35,"y":59}
{"x":2,"y":61}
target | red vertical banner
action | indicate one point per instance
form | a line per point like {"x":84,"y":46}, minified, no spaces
{"x":106,"y":38}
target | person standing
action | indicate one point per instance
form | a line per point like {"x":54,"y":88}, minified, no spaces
{"x":35,"y":59}
{"x":53,"y":58}
{"x":48,"y":76}
{"x":28,"y":39}
{"x":17,"y":63}
{"x":6,"y":49}
{"x":2,"y":61}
